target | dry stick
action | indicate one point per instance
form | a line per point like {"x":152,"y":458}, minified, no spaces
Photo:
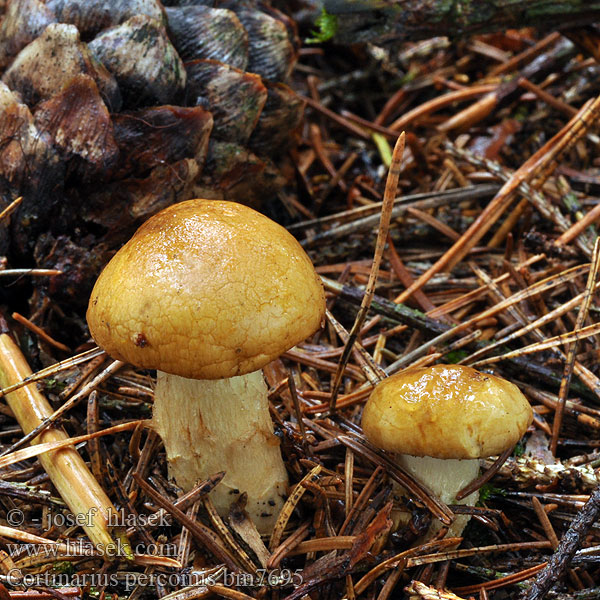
{"x":350,"y":594}
{"x":440,"y":102}
{"x":305,"y":358}
{"x":405,"y":277}
{"x":19,"y":318}
{"x":338,"y":542}
{"x":227,"y":537}
{"x":400,"y":560}
{"x":61,"y":444}
{"x":570,"y":234}
{"x":527,"y":55}
{"x":363,"y":497}
{"x":34,"y":272}
{"x":355,"y":397}
{"x":188,"y":499}
{"x":477,"y":483}
{"x":421,"y":200}
{"x":317,"y":144}
{"x":94,"y":445}
{"x":511,"y":579}
{"x":415,"y":319}
{"x":417,"y":589}
{"x":550,"y":400}
{"x":482,"y":108}
{"x":474,"y":113}
{"x":390,"y":583}
{"x":245,"y":529}
{"x":398,"y":474}
{"x":51,"y":418}
{"x":550,"y":317}
{"x":544,"y":522}
{"x":470,"y":297}
{"x":401,"y":205}
{"x":125,"y":504}
{"x":8,"y":210}
{"x":391,"y":187}
{"x":420,"y":351}
{"x":202,"y":533}
{"x":549,"y":99}
{"x":498,"y":239}
{"x":588,"y":379}
{"x":514,"y":311}
{"x":535,"y":197}
{"x":536,"y":288}
{"x":290,"y":505}
{"x":66,"y":469}
{"x":444,"y":229}
{"x":453,"y":554}
{"x":569,"y":364}
{"x":83,"y":375}
{"x":553,"y":342}
{"x":571,"y":540}
{"x":227,"y":592}
{"x":348,"y":481}
{"x":400,"y":312}
{"x":337,"y":179}
{"x":294,"y":394}
{"x":291,"y":542}
{"x":564,"y":139}
{"x":55,"y":368}
{"x":369,"y":125}
{"x":183,"y":552}
{"x":373,"y":372}
{"x":354,"y":129}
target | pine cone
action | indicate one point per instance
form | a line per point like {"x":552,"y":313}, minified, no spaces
{"x":108,"y":116}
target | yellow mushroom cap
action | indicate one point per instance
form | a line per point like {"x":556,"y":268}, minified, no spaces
{"x":206,"y":289}
{"x":446,"y":411}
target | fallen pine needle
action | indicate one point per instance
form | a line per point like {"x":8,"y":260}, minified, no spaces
{"x":391,"y":188}
{"x":38,"y":449}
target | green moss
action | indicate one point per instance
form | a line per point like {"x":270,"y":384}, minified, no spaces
{"x":65,"y":566}
{"x":519,"y":449}
{"x":53,"y":385}
{"x":487,"y":490}
{"x":456,"y":356}
{"x":327,"y":26}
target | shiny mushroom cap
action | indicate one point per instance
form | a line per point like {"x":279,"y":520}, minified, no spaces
{"x":446,"y":411}
{"x":206,"y":289}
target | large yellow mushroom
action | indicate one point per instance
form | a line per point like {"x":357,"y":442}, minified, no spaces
{"x":207,"y":293}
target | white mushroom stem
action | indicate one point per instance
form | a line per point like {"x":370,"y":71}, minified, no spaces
{"x":209,"y":426}
{"x":445,"y":478}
